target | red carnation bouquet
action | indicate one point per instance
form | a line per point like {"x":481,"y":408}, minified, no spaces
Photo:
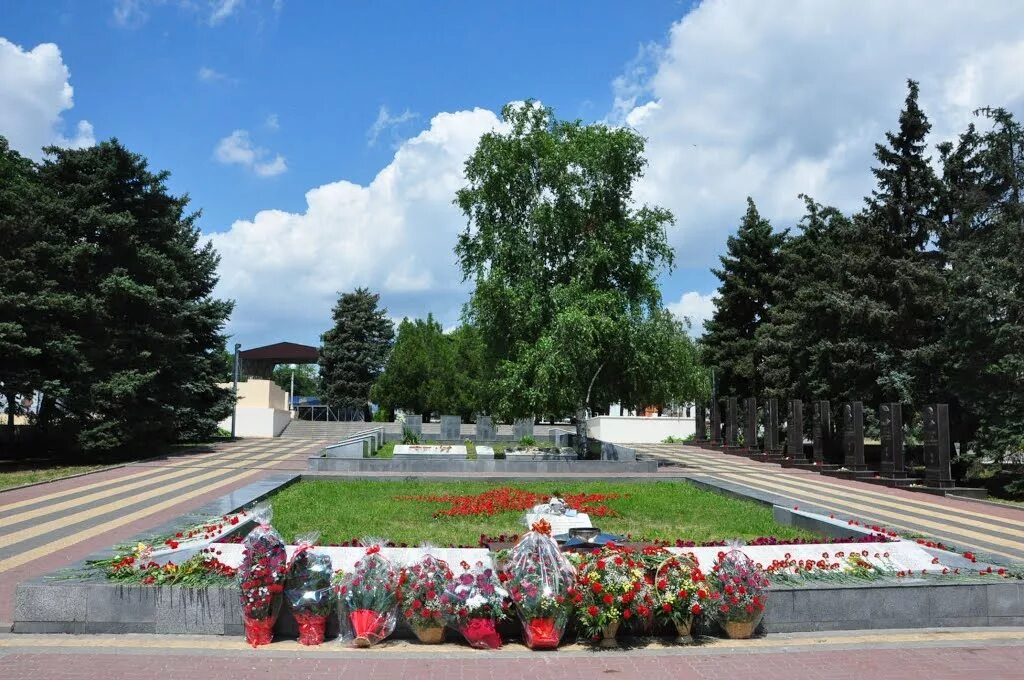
{"x":611,"y":588}
{"x":680,"y":592}
{"x":261,"y":578}
{"x":368,"y":598}
{"x":424,"y":598}
{"x":539,"y":581}
{"x":480,"y":602}
{"x":308,"y":589}
{"x":740,"y":593}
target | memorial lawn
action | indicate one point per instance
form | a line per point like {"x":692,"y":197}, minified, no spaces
{"x":404,"y":511}
{"x":12,"y":477}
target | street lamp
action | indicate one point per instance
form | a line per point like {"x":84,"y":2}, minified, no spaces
{"x":234,"y":407}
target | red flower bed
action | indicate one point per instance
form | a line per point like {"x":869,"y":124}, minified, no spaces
{"x":511,"y":499}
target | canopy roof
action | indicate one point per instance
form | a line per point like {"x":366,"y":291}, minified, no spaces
{"x":259,"y":362}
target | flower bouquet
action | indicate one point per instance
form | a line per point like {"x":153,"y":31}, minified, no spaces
{"x":479,"y":601}
{"x":308,"y":590}
{"x":424,"y":598}
{"x":610,"y":588}
{"x":539,"y":581}
{"x":739,"y":595}
{"x":261,"y":578}
{"x":680,"y":593}
{"x":367,"y":599}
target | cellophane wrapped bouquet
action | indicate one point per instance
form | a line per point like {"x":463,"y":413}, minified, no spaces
{"x":480,"y":602}
{"x":739,"y":590}
{"x":539,"y":580}
{"x":611,"y":589}
{"x":308,"y":589}
{"x":425,"y":601}
{"x":261,"y":578}
{"x":680,"y":592}
{"x":368,"y":598}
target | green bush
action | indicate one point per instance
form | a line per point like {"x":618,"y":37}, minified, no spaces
{"x":409,"y":437}
{"x":527,"y":441}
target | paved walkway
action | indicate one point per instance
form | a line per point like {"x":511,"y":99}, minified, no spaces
{"x":984,"y":528}
{"x":951,"y":654}
{"x":49,"y":526}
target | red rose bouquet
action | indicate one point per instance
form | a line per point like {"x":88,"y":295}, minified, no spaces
{"x":308,"y":590}
{"x":611,"y":588}
{"x":261,"y":578}
{"x":539,"y":579}
{"x":740,"y":593}
{"x":368,"y":598}
{"x":480,"y":602}
{"x":680,"y":592}
{"x":424,"y":598}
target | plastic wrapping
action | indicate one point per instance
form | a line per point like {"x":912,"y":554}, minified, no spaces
{"x":261,"y":578}
{"x":739,"y":589}
{"x":540,"y":578}
{"x":368,"y":599}
{"x":425,"y":602}
{"x":611,"y":590}
{"x":308,"y":589}
{"x":681,"y":593}
{"x":480,"y":602}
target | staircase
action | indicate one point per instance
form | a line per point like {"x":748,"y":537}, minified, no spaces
{"x":331,"y":431}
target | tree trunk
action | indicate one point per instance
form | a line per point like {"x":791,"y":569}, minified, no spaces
{"x":581,"y":418}
{"x":10,"y":396}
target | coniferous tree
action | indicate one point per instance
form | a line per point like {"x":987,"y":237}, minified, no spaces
{"x":354,"y":351}
{"x":748,"y":276}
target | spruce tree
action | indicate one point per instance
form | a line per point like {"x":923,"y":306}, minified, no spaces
{"x":354,"y":350}
{"x":748,"y":276}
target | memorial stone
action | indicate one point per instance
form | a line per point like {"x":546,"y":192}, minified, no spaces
{"x":772,"y":445}
{"x":522,"y":427}
{"x":750,"y":430}
{"x":485,"y":429}
{"x":450,"y":428}
{"x":822,"y":429}
{"x":853,"y":435}
{"x":936,"y":445}
{"x":700,"y":429}
{"x":890,"y":420}
{"x":731,"y":429}
{"x":795,"y":429}
{"x":716,"y":422}
{"x":413,"y":424}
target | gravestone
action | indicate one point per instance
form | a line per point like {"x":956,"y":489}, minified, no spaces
{"x":822,"y":429}
{"x":522,"y":427}
{"x":772,"y":445}
{"x":700,"y":430}
{"x":937,"y":471}
{"x":750,"y":430}
{"x":716,"y":422}
{"x":450,"y":428}
{"x":795,"y":430}
{"x":413,"y":424}
{"x":890,"y":421}
{"x":853,"y":435}
{"x":731,"y":429}
{"x":485,"y":429}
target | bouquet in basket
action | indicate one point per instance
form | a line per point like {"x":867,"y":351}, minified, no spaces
{"x":539,"y":581}
{"x":308,"y":590}
{"x":680,"y":592}
{"x":739,"y":593}
{"x":611,"y":588}
{"x":261,"y":578}
{"x":424,"y":598}
{"x":480,"y":602}
{"x":368,"y":598}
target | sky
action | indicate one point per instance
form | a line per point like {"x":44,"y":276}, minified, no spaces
{"x":323,"y":141}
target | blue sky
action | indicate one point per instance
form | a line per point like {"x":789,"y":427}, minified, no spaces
{"x":323,"y":140}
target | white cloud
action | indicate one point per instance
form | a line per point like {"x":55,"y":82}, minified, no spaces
{"x":222,"y":9}
{"x":238,"y":149}
{"x":385,"y":120}
{"x":745,"y":99}
{"x":35,"y":90}
{"x":697,"y":307}
{"x":209,"y":75}
{"x":394,"y":235}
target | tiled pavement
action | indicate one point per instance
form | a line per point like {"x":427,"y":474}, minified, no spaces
{"x":881,"y":655}
{"x":988,"y":529}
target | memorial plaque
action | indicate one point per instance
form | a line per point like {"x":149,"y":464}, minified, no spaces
{"x":936,"y":445}
{"x":731,"y":429}
{"x":795,"y":429}
{"x":485,"y":429}
{"x":413,"y":424}
{"x":450,"y":428}
{"x":701,"y":431}
{"x":771,"y":427}
{"x":853,"y":435}
{"x":822,"y":429}
{"x":750,"y":429}
{"x":890,"y":421}
{"x":716,"y":422}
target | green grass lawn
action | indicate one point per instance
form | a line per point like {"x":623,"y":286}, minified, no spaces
{"x":30,"y":476}
{"x":346,"y":510}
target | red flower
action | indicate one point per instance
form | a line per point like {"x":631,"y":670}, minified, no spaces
{"x":627,"y":614}
{"x":608,"y":599}
{"x":596,"y":587}
{"x":593,"y":611}
{"x":695,"y":610}
{"x":666,"y":607}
